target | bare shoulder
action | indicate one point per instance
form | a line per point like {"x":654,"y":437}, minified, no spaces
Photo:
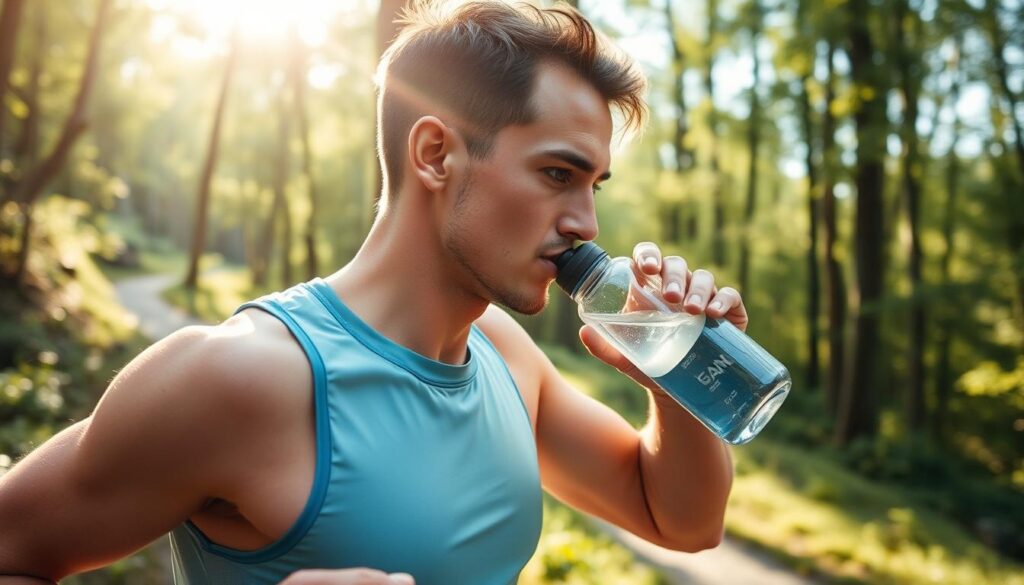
{"x":204,"y":391}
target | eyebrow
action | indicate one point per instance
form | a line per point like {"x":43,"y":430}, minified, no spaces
{"x":577,"y":160}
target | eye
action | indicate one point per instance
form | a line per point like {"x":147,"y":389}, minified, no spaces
{"x":559,"y":175}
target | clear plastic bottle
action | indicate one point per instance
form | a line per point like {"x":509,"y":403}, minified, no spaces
{"x":714,"y":370}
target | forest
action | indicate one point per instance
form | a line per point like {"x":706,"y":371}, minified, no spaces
{"x":855,"y":168}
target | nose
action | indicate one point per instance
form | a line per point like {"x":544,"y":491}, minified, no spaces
{"x":579,"y":220}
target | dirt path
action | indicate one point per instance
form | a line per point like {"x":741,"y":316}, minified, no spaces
{"x":731,"y":563}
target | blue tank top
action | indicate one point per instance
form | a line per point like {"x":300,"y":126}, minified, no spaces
{"x":421,"y":467}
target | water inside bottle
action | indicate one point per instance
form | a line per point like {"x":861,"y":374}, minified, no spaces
{"x":729,"y":383}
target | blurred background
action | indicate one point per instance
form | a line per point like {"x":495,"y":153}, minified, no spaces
{"x":854,"y":167}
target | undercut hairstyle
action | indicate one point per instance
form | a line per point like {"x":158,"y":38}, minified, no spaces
{"x":474,"y":65}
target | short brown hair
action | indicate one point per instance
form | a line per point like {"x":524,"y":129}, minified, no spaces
{"x":477,"y":63}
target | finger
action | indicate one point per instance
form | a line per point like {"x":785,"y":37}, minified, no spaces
{"x":728,"y":303}
{"x":647,"y":256}
{"x":675,"y":276}
{"x":606,"y":352}
{"x":702,"y":287}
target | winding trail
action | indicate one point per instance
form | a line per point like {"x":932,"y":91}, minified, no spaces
{"x":731,"y":563}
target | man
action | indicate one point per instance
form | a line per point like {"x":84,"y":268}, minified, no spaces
{"x":391,"y":420}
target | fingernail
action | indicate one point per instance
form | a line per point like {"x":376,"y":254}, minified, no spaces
{"x":673,"y":287}
{"x":650,"y":262}
{"x":716,"y":305}
{"x":695,"y":299}
{"x":401,"y":579}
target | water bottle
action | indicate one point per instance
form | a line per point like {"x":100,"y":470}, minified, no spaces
{"x":714,"y":370}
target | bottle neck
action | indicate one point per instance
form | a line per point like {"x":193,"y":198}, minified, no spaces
{"x":590,"y":279}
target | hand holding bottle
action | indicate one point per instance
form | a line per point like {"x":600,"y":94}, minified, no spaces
{"x":671,"y":275}
{"x":671,"y":329}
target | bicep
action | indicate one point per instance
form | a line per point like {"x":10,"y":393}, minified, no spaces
{"x":108,"y":485}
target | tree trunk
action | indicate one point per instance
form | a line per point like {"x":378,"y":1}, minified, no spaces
{"x":835,"y":288}
{"x":28,"y":191}
{"x":26,"y":149}
{"x":281,"y":214}
{"x":298,"y":66}
{"x":943,"y":370}
{"x":753,"y":145}
{"x":1015,"y":208}
{"x":718,"y":212}
{"x":858,"y":404}
{"x":212,"y":150}
{"x":683,"y":156}
{"x":813,"y":279}
{"x":913,"y":168}
{"x":10,"y":20}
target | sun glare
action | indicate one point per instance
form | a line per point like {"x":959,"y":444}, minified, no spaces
{"x":263,"y":20}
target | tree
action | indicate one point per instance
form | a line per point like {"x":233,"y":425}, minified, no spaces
{"x":718,"y":211}
{"x":835,"y":287}
{"x":907,"y":23}
{"x":943,"y":370}
{"x":27,"y":192}
{"x":753,"y":144}
{"x":212,"y":151}
{"x":1014,"y":212}
{"x":858,"y":403}
{"x":805,"y":45}
{"x":10,"y":19}
{"x":682,"y":155}
{"x":297,"y":68}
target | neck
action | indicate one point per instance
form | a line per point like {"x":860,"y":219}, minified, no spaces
{"x":402,"y":283}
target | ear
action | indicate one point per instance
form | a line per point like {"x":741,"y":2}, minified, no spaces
{"x":434,"y":152}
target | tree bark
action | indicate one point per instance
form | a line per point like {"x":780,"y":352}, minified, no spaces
{"x":10,"y":20}
{"x":718,"y":211}
{"x":813,"y":279}
{"x":673,"y":211}
{"x":753,"y":146}
{"x":907,"y":20}
{"x":27,"y":192}
{"x":1015,"y":208}
{"x":858,"y":404}
{"x":944,"y":373}
{"x":835,"y":288}
{"x":212,"y":151}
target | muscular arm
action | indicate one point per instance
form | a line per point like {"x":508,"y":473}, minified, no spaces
{"x":106,"y":486}
{"x":667,"y":483}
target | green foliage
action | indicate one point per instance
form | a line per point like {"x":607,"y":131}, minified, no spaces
{"x":572,"y":551}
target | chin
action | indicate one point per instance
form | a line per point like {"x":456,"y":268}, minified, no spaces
{"x":524,"y":304}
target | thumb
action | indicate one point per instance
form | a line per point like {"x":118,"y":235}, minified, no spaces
{"x":401,"y":579}
{"x":607,"y":353}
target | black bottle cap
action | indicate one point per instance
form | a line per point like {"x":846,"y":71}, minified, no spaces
{"x":575,"y":264}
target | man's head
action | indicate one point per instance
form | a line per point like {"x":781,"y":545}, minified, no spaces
{"x":475,"y":66}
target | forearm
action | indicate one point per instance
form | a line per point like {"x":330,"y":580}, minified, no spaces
{"x":687,"y":475}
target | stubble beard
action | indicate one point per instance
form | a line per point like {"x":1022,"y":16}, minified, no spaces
{"x":458,"y":245}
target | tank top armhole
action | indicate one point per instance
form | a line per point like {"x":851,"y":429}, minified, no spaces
{"x":321,"y":475}
{"x":504,"y":366}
